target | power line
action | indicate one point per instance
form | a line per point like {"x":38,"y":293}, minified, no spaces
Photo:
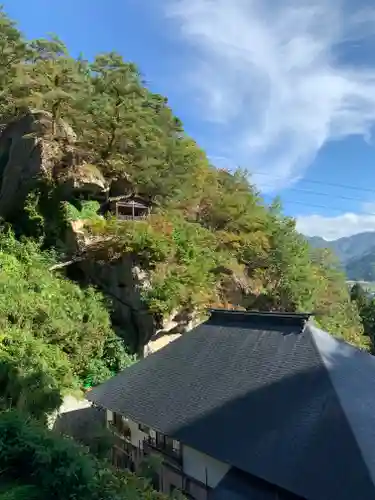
{"x":285,"y":201}
{"x":309,"y":191}
{"x":297,"y":202}
{"x":319,"y":193}
{"x":314,"y":181}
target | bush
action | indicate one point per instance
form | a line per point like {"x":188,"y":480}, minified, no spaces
{"x":31,"y":456}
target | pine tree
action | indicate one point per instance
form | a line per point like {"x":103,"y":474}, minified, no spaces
{"x":13,"y":50}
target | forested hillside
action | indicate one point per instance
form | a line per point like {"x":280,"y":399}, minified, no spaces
{"x":356,"y":254}
{"x":210,"y":240}
{"x":362,"y":268}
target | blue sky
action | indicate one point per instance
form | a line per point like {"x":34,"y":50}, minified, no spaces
{"x":287,"y":92}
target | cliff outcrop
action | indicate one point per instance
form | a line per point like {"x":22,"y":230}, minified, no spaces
{"x":124,"y":282}
{"x":36,"y":147}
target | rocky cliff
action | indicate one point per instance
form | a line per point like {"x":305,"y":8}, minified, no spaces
{"x":33,"y":149}
{"x":123,"y":281}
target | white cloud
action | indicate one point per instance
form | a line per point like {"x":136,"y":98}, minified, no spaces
{"x":268,"y":72}
{"x":368,"y":207}
{"x":331,"y":228}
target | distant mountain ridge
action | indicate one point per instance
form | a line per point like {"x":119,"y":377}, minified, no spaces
{"x":356,"y":254}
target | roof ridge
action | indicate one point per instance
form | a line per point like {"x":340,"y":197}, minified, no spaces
{"x":251,"y":317}
{"x":261,"y":313}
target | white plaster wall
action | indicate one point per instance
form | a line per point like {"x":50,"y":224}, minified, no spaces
{"x":196,"y":463}
{"x":137,"y":436}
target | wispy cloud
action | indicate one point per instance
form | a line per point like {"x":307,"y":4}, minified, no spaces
{"x":274,"y":78}
{"x":332,"y":228}
{"x":345,"y":224}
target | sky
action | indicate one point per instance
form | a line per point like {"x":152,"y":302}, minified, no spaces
{"x":285,"y":89}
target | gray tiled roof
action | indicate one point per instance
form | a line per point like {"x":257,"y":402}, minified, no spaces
{"x":264,"y":393}
{"x":238,"y":485}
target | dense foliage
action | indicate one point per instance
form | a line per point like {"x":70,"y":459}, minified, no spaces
{"x":36,"y":464}
{"x":190,"y":266}
{"x":355,"y":253}
{"x":54,"y":335}
{"x":365,"y":303}
{"x":362,"y":268}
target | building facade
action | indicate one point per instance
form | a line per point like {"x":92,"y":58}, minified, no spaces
{"x":176,"y":466}
{"x":285,"y":404}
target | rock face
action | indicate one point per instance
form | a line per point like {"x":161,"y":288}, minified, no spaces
{"x":84,"y":180}
{"x":121,"y":186}
{"x":123,"y":282}
{"x":234,"y":288}
{"x":69,"y":405}
{"x":172,"y":327}
{"x":35,"y":146}
{"x":26,"y":152}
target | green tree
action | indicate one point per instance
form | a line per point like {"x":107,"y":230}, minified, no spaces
{"x":51,"y":80}
{"x":366,"y":308}
{"x":32,"y":374}
{"x":56,"y":313}
{"x":13,"y":50}
{"x":35,"y":459}
{"x":358,"y":294}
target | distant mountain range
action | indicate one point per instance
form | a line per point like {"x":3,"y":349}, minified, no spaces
{"x":356,"y":254}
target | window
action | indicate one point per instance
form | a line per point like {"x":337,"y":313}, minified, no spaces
{"x":160,"y":439}
{"x":166,"y":445}
{"x":121,"y":426}
{"x":169,"y":442}
{"x":172,"y":445}
{"x":117,"y":420}
{"x":144,"y":428}
{"x":176,"y":446}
